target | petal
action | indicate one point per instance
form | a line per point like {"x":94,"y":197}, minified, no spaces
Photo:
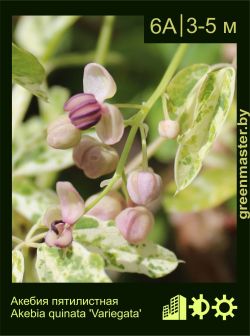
{"x":65,"y":238}
{"x":110,"y":128}
{"x":61,"y":134}
{"x":52,"y":214}
{"x":72,"y":205}
{"x":98,"y":81}
{"x":78,"y":100}
{"x":51,"y":238}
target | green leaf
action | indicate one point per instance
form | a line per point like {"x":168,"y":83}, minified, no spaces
{"x":210,"y":189}
{"x":29,"y":201}
{"x":147,"y":258}
{"x":27,"y":71}
{"x":74,"y":264}
{"x":42,"y":34}
{"x":182,"y":92}
{"x":212,"y":105}
{"x":17,"y":266}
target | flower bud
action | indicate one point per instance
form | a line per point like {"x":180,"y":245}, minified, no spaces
{"x":111,"y":126}
{"x":95,"y":158}
{"x":61,"y":134}
{"x":108,"y":207}
{"x":135,"y":224}
{"x":169,"y":129}
{"x":84,"y":110}
{"x":144,"y":187}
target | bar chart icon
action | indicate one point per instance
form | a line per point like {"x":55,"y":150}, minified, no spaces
{"x":176,"y":310}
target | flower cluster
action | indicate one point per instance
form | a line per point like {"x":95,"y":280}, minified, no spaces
{"x":88,"y":109}
{"x":96,"y":157}
{"x":85,"y":110}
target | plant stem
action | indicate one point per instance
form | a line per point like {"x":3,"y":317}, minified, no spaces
{"x":149,"y":104}
{"x":165,"y":107}
{"x":144,"y":148}
{"x":32,"y":240}
{"x":124,"y":186}
{"x":104,"y":39}
{"x":16,"y":240}
{"x":167,"y":76}
{"x":140,"y":116}
{"x":131,"y":106}
{"x":138,"y":158}
{"x":103,"y":193}
{"x":32,"y":231}
{"x":150,"y":151}
{"x":126,"y":149}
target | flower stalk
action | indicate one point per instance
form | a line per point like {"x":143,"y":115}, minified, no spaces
{"x":140,"y":116}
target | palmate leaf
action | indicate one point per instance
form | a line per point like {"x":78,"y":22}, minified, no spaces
{"x":74,"y":264}
{"x":213,"y":102}
{"x":17,"y":266}
{"x":146,"y":258}
{"x":28,"y":72}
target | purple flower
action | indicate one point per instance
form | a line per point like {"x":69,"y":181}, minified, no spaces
{"x":61,"y":219}
{"x":87,"y":109}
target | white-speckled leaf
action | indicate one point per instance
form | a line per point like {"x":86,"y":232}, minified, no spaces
{"x":182,"y":92}
{"x":42,"y":160}
{"x":31,"y":202}
{"x":213,"y":103}
{"x":103,"y":237}
{"x":31,"y":154}
{"x":17,"y":266}
{"x":74,"y":264}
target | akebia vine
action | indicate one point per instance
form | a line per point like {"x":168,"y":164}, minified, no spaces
{"x":78,"y":240}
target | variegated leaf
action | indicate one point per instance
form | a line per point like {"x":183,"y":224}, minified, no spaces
{"x":182,"y":91}
{"x":104,"y":237}
{"x":31,"y":202}
{"x":42,"y":160}
{"x":74,"y":264}
{"x":212,"y":105}
{"x":17,"y":266}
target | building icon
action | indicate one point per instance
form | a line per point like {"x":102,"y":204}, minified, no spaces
{"x":176,"y":310}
